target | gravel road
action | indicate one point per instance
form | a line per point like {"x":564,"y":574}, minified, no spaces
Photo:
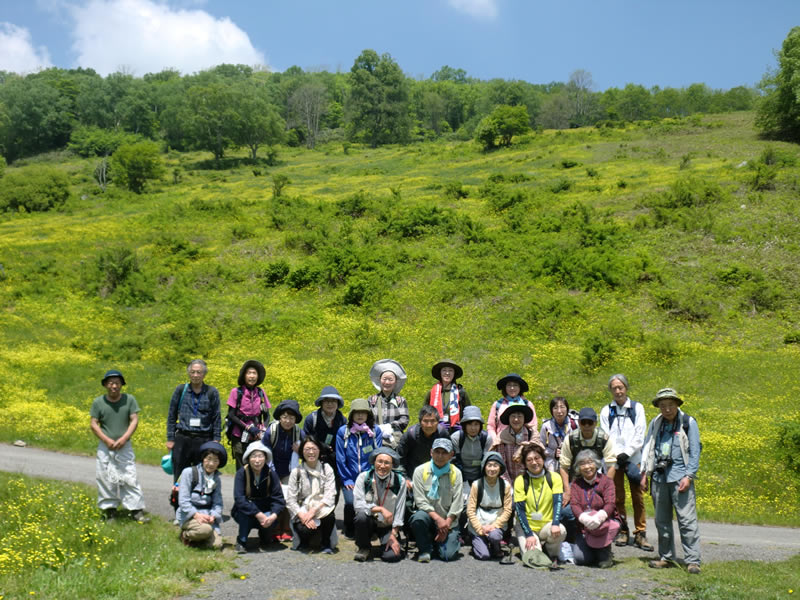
{"x":281,"y":573}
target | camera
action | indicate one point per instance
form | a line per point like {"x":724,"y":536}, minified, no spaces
{"x":662,"y":464}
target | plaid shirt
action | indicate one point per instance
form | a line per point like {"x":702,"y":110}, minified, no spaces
{"x":395,"y":411}
{"x":204,"y":405}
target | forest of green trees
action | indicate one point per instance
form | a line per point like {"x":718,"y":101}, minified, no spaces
{"x":374,"y":103}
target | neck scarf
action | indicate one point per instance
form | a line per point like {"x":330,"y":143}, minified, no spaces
{"x":357,"y":428}
{"x":436,"y":473}
{"x":453,"y":407}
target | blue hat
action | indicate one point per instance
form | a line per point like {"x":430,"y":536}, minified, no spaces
{"x":217,"y":449}
{"x":112,"y":373}
{"x":329,"y":392}
{"x":471,"y":413}
{"x":288,"y":406}
{"x":587,"y":414}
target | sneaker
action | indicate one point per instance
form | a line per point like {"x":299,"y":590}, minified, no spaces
{"x":110,"y":514}
{"x":285,"y":537}
{"x":659,"y":564}
{"x":327,"y":551}
{"x":139,"y":516}
{"x":424,"y":557}
{"x":361,"y":555}
{"x":640,"y":541}
{"x":240,"y":548}
{"x":694,"y":569}
{"x":606,"y":564}
{"x":622,"y":539}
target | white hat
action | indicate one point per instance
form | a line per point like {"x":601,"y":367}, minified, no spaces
{"x":387,"y":364}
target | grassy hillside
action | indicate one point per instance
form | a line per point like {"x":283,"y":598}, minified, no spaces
{"x":666,"y":251}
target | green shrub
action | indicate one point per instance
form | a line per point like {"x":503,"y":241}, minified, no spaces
{"x":243,"y":231}
{"x":275,"y":273}
{"x":418,"y":221}
{"x":279,"y":183}
{"x":354,"y":205}
{"x":596,"y":352}
{"x":693,"y":304}
{"x":357,"y":293}
{"x":33,"y":189}
{"x":302,"y":277}
{"x":567,"y":163}
{"x":455,"y":190}
{"x":789,"y":444}
{"x":793,"y":337}
{"x":2,"y":166}
{"x":763,"y":177}
{"x":661,"y":349}
{"x":133,"y":164}
{"x":591,"y":172}
{"x":560,"y":185}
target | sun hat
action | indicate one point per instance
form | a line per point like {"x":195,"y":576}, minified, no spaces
{"x":112,"y":373}
{"x":516,"y":407}
{"x":387,"y":364}
{"x":603,"y":535}
{"x":587,"y":414}
{"x":523,"y":385}
{"x":329,"y":392}
{"x":388,"y":452}
{"x":288,"y":405}
{"x":218,"y":449}
{"x":471,"y":413}
{"x":443,"y":443}
{"x":535,"y":558}
{"x":259,"y":447}
{"x":359,"y":404}
{"x":663,"y":394}
{"x":252,"y":364}
{"x":436,"y":370}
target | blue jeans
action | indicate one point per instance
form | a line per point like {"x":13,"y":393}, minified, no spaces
{"x":424,"y":533}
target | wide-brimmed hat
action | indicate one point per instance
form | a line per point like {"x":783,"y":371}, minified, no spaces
{"x":587,"y":414}
{"x":111,"y":373}
{"x":471,"y":413}
{"x":496,"y":457}
{"x":387,"y":364}
{"x":217,"y":449}
{"x":359,"y":404}
{"x":516,"y":407}
{"x":603,"y":535}
{"x":288,"y":405}
{"x":523,"y":385}
{"x":252,"y":364}
{"x":665,"y":393}
{"x":388,"y":452}
{"x":329,"y":392}
{"x":257,"y":446}
{"x":436,"y":370}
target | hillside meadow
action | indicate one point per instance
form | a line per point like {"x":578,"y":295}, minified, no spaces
{"x":665,"y":250}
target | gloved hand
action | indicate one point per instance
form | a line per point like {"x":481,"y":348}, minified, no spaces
{"x":585,"y":518}
{"x":601,"y":517}
{"x":253,"y":431}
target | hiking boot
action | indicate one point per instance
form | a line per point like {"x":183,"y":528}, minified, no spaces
{"x":659,"y":564}
{"x":240,"y":548}
{"x":622,"y":539}
{"x":110,"y":514}
{"x":606,"y":564}
{"x":424,"y":557}
{"x":184,"y":539}
{"x":361,"y":555}
{"x":694,"y":569}
{"x":139,"y":516}
{"x":640,"y":541}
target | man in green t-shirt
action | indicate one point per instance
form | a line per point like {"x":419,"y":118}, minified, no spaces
{"x":114,"y":419}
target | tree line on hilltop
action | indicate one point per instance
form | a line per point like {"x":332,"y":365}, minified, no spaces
{"x":374,"y":103}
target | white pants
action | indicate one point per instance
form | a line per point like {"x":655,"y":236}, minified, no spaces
{"x":116,"y":478}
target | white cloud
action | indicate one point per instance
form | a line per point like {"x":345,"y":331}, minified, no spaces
{"x":480,"y":9}
{"x":17,"y":53}
{"x":142,"y":36}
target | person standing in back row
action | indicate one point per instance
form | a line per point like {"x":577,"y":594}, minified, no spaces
{"x":624,"y":421}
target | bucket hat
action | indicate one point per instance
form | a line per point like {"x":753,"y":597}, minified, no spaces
{"x":471,"y":413}
{"x":388,"y":452}
{"x":359,"y":404}
{"x":112,"y":373}
{"x":663,"y":394}
{"x":218,"y":449}
{"x":329,"y":392}
{"x":252,"y":364}
{"x":523,"y":385}
{"x":257,"y":446}
{"x":436,"y":370}
{"x":516,"y":407}
{"x":288,"y":405}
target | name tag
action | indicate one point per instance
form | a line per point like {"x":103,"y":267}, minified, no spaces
{"x":476,"y":463}
{"x":195,"y":422}
{"x":366,"y":449}
{"x":665,"y":449}
{"x":537,"y":516}
{"x":328,"y":439}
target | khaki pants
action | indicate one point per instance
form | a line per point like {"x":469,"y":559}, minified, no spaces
{"x":201,"y":533}
{"x":637,"y":500}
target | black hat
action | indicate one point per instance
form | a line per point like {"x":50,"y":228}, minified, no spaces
{"x":436,"y":370}
{"x":112,"y":373}
{"x":252,"y":364}
{"x":288,"y":405}
{"x":523,"y":385}
{"x":217,"y":449}
{"x":516,"y":407}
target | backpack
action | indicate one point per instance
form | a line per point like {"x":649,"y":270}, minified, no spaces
{"x":173,"y":494}
{"x":273,"y":432}
{"x":398,"y":480}
{"x":547,"y":476}
{"x":502,"y":490}
{"x":575,"y":446}
{"x":426,"y":472}
{"x":239,"y":394}
{"x":612,"y":413}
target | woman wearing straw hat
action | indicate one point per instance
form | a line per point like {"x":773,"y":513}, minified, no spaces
{"x":448,"y":397}
{"x":389,"y":409}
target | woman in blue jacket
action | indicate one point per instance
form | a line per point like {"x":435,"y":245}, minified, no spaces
{"x":355,"y":441}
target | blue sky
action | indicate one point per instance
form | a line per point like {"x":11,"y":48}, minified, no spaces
{"x":723,"y":43}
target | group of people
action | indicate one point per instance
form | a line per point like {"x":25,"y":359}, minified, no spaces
{"x":557,"y":492}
